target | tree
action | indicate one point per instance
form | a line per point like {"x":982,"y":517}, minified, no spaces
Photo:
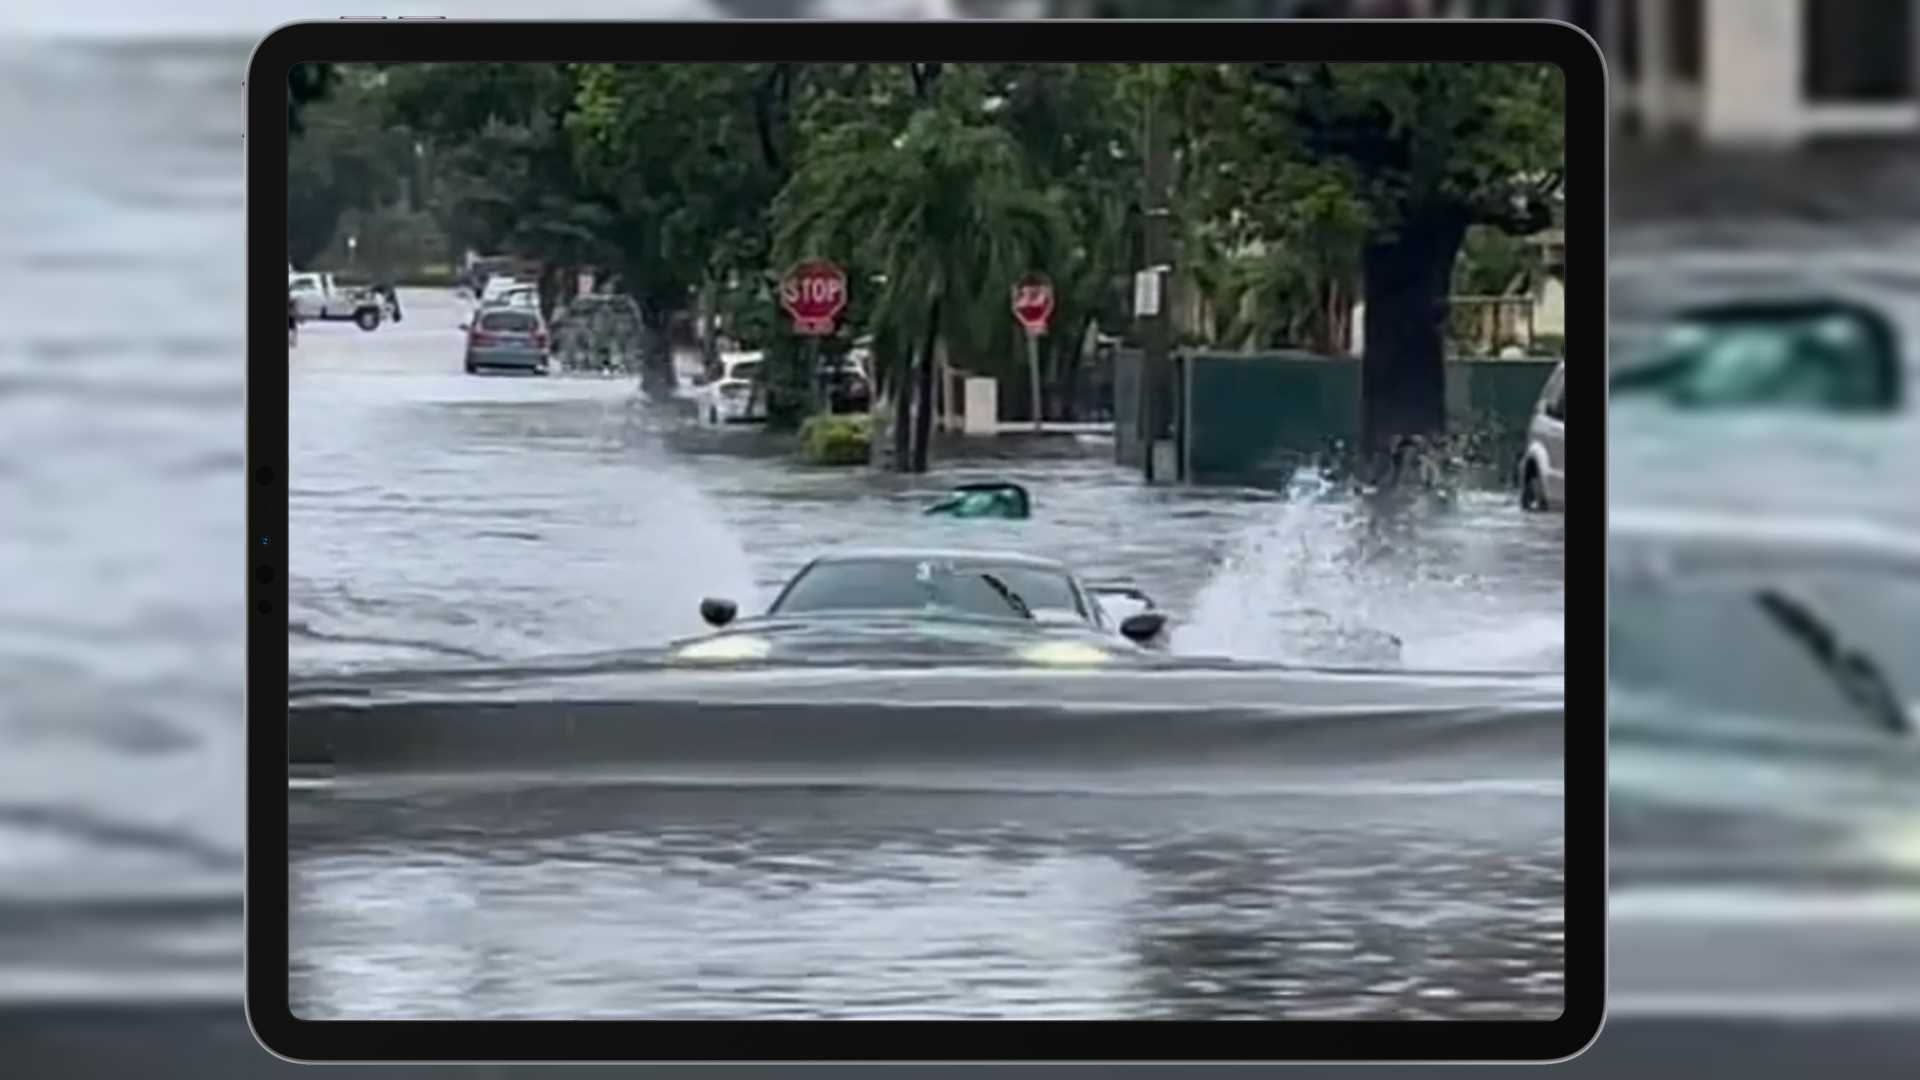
{"x":306,"y":84}
{"x":944,"y":209}
{"x":1416,"y":153}
{"x":503,"y":176}
{"x":691,"y":156}
{"x":342,"y":159}
{"x":1075,"y":130}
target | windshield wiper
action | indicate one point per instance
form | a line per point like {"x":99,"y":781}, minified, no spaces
{"x":1859,"y":679}
{"x":1006,"y":593}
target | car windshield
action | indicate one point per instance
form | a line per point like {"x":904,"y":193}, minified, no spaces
{"x":977,"y":588}
{"x":1818,"y":655}
{"x":509,"y":322}
{"x":1818,"y":357}
{"x":745,"y":371}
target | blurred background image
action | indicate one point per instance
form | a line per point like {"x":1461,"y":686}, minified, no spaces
{"x":1765,"y":642}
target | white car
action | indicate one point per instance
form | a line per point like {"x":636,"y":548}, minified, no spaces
{"x":499,"y":285}
{"x":735,"y":397}
{"x":1543,"y":469}
{"x":320,"y":297}
{"x":526,"y":297}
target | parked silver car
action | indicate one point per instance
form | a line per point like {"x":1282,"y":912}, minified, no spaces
{"x":1543,"y":469}
{"x":509,"y":339}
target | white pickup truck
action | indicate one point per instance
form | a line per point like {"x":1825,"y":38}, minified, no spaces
{"x":318,"y":296}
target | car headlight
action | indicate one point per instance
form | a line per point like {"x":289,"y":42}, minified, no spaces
{"x":726,"y":648}
{"x":1065,"y":654}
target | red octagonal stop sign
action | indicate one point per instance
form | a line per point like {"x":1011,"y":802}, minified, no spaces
{"x":814,"y":292}
{"x":1033,"y":302}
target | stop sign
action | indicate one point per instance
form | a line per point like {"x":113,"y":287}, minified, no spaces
{"x":1033,"y":302}
{"x":814,"y":292}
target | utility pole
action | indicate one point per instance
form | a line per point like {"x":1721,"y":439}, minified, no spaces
{"x":1156,"y":370}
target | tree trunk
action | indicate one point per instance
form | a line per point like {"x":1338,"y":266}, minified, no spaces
{"x":903,"y":413}
{"x":710,"y":325}
{"x":923,"y":390}
{"x":656,"y":354}
{"x":1403,"y":380}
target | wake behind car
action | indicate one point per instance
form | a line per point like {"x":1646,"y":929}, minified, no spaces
{"x":928,"y":605}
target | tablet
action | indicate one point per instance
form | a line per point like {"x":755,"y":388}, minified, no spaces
{"x":1031,"y":541}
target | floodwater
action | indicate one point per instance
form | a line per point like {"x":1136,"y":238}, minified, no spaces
{"x":438,"y":517}
{"x":122,"y":665}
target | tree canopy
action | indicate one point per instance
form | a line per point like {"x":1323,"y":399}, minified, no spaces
{"x":1297,"y":190}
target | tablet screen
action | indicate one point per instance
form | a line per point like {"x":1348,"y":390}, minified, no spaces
{"x":990,"y":541}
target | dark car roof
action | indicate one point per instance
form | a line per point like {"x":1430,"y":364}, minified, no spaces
{"x":1003,"y":558}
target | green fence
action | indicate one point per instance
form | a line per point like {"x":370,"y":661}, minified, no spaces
{"x":1254,"y":415}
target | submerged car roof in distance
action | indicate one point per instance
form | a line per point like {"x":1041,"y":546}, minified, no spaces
{"x":884,"y":554}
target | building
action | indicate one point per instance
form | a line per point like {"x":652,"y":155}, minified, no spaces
{"x":1756,"y":71}
{"x":1775,"y":72}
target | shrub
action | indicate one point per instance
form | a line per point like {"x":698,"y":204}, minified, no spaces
{"x":836,"y":440}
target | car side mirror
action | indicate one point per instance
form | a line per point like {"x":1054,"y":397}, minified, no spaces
{"x":718,"y":612}
{"x":1143,"y":627}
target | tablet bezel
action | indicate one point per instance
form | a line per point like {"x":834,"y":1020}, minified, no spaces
{"x":268,"y":991}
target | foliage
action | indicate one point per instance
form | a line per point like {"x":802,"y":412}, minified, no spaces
{"x":1297,"y":188}
{"x":306,"y":84}
{"x":837,"y":439}
{"x":343,"y":159}
{"x":1492,"y":261}
{"x":945,"y":211}
{"x":502,"y":168}
{"x":1379,"y":169}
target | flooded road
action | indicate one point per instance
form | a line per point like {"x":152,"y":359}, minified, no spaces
{"x":438,"y":513}
{"x":437,"y":517}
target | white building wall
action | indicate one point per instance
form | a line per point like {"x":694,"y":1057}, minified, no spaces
{"x":1754,"y":60}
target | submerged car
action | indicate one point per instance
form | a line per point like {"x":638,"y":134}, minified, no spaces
{"x":886,"y":604}
{"x":1823,"y":355}
{"x":1764,"y":734}
{"x":989,"y":499}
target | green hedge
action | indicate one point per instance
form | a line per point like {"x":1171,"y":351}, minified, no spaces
{"x":836,"y":440}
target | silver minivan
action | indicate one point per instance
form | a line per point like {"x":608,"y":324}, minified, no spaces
{"x":1543,"y":469}
{"x":510,"y":339}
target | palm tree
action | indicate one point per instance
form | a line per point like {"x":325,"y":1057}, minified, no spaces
{"x":944,"y":211}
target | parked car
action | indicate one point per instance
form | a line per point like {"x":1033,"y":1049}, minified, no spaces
{"x":512,"y":339}
{"x":519,"y":296}
{"x":1542,"y":474}
{"x":846,"y":386}
{"x":598,"y":331}
{"x":497,"y":286}
{"x":735,"y":397}
{"x":320,"y":296}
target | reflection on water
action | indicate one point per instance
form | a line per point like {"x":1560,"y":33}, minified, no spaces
{"x":436,"y":515}
{"x":824,"y":904}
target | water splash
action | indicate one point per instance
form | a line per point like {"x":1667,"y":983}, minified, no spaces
{"x":1331,"y":578}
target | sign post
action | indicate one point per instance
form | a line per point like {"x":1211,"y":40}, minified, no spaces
{"x":1033,"y":306}
{"x":814,"y":293}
